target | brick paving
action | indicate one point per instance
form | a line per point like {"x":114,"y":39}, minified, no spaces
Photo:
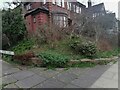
{"x":96,"y":77}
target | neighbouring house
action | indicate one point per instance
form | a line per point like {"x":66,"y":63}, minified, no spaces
{"x":108,"y":19}
{"x":60,"y":13}
{"x":119,"y":10}
{"x":95,"y":10}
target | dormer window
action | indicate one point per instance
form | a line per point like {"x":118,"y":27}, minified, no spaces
{"x":28,"y":7}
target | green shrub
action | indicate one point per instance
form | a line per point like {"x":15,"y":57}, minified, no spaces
{"x":85,"y":48}
{"x":53,"y":59}
{"x":88,"y":49}
{"x":23,"y":46}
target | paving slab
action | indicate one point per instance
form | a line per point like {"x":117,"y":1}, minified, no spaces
{"x":77,"y":71}
{"x":84,"y":81}
{"x":66,"y":77}
{"x":11,"y":86}
{"x":37,"y":70}
{"x":6,"y":66}
{"x":106,"y":83}
{"x":51,"y":83}
{"x":22,"y":74}
{"x":59,"y":78}
{"x":109,"y":79}
{"x":48,"y":73}
{"x":30,"y":82}
{"x":109,"y":75}
{"x":10,"y":71}
{"x":89,"y":77}
{"x":8,"y":79}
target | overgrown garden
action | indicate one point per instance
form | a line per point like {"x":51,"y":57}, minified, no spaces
{"x":54,"y":46}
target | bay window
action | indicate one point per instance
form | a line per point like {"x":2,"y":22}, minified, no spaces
{"x":68,"y":7}
{"x":60,"y":20}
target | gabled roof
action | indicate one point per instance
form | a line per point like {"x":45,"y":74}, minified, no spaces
{"x":97,"y":8}
{"x":34,"y":11}
{"x":80,"y":4}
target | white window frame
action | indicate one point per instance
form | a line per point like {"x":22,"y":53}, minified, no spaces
{"x":63,"y":3}
{"x":77,"y":9}
{"x":60,"y":20}
{"x":53,"y":1}
{"x":80,"y":10}
{"x":58,"y":2}
{"x":28,"y":7}
{"x":64,"y":21}
{"x":68,"y":7}
{"x":74,"y":8}
{"x":44,"y":1}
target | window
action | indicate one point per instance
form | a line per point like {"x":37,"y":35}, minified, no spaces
{"x":53,"y":1}
{"x":77,"y":9}
{"x":93,"y":15}
{"x":60,"y":20}
{"x":103,"y":14}
{"x":80,"y":9}
{"x":34,"y":19}
{"x":64,"y":22}
{"x":28,"y":7}
{"x":44,"y":1}
{"x":74,"y":8}
{"x":63,"y":4}
{"x":58,"y":2}
{"x":68,"y":7}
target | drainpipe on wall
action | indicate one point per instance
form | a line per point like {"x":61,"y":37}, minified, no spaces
{"x":49,"y":3}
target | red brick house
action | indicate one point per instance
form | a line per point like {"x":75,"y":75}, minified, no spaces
{"x":60,"y":13}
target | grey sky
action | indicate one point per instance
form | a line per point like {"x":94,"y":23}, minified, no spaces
{"x":111,"y":5}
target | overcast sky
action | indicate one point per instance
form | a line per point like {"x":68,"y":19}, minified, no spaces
{"x":111,"y":5}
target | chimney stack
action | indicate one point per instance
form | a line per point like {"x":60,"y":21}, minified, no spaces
{"x":89,"y":3}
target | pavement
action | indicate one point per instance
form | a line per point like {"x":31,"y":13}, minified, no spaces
{"x":100,"y":76}
{"x":109,"y":78}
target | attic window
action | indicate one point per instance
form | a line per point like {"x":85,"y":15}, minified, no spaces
{"x":28,"y":7}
